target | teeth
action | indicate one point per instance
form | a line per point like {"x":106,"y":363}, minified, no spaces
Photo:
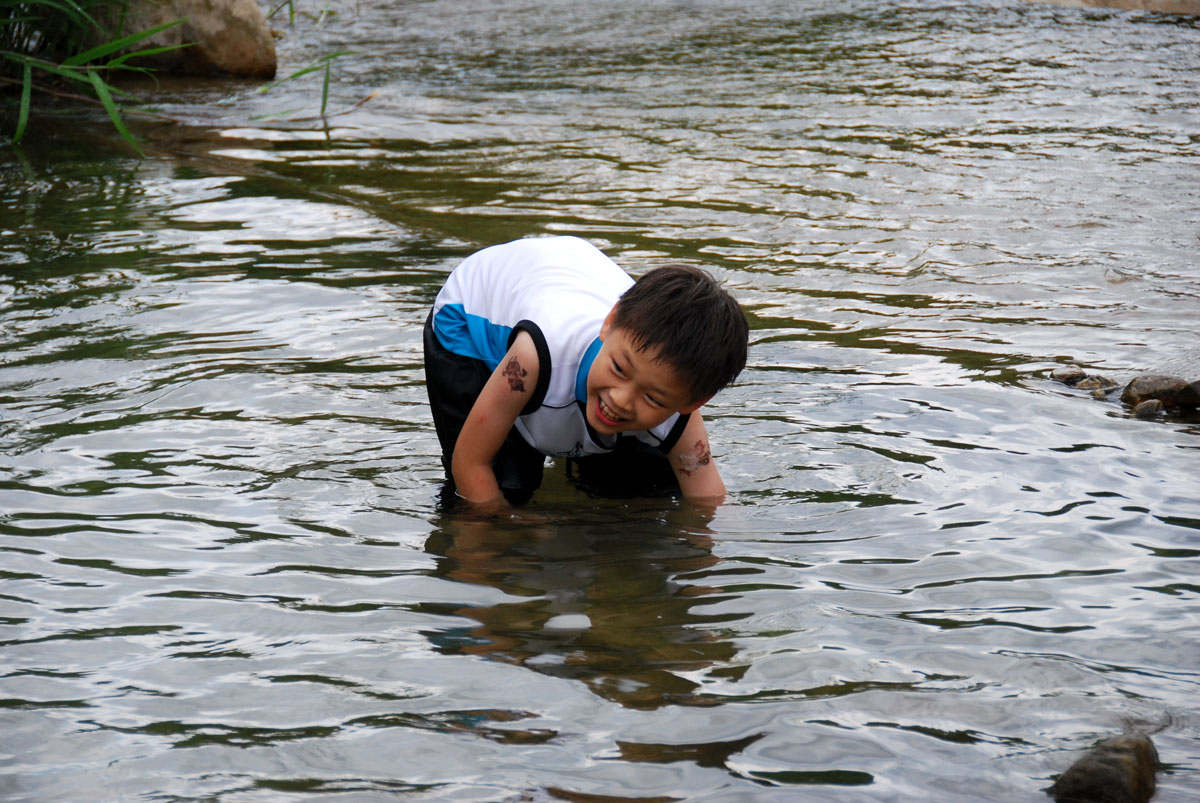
{"x":608,"y":412}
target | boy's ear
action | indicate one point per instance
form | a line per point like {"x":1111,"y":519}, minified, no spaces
{"x":608,"y":322}
{"x":694,"y":406}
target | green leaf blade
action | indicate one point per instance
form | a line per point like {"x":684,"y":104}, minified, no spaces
{"x":117,"y":44}
{"x":23,"y":115}
{"x":114,"y":113}
{"x":325,"y":87}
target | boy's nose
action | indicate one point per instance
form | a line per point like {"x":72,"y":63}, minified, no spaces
{"x":622,"y":397}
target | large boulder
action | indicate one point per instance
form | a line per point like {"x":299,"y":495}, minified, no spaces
{"x":228,"y":37}
{"x":1172,"y":391}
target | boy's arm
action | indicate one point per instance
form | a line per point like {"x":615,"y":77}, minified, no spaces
{"x":496,"y":408}
{"x":693,"y":463}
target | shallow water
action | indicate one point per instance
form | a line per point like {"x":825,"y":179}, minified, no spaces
{"x":938,"y":575}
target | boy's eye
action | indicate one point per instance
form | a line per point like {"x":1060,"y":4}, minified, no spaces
{"x":653,"y":400}
{"x":617,"y":368}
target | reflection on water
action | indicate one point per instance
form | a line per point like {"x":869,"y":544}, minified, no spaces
{"x":224,"y":571}
{"x":612,"y":609}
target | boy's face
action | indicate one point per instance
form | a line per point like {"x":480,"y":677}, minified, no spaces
{"x":630,"y":390}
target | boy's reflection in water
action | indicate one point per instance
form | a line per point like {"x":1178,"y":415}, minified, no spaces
{"x":609,"y":592}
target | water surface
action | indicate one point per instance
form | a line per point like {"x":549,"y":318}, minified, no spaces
{"x":938,"y":576}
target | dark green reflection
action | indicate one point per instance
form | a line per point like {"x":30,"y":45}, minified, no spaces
{"x":821,"y":777}
{"x":606,"y":601}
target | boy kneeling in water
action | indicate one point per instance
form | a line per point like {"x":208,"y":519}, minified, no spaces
{"x":546,"y":347}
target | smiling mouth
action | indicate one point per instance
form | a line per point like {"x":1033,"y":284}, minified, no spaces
{"x":606,"y":415}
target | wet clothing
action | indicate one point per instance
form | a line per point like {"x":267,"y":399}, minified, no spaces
{"x":559,"y":290}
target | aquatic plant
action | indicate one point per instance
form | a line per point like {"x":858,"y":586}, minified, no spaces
{"x":324,"y":63}
{"x":50,"y":39}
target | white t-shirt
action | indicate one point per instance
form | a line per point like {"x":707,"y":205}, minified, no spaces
{"x":559,"y":289}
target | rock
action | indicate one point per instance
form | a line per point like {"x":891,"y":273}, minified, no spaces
{"x":1170,"y":390}
{"x":1116,"y":770}
{"x":1074,"y":376}
{"x":230,"y":37}
{"x":1095,"y":382}
{"x":1068,"y":374}
{"x":1101,"y":393}
{"x":1160,"y":6}
{"x":1149,"y":408}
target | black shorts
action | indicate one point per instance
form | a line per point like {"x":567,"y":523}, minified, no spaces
{"x":453,"y":382}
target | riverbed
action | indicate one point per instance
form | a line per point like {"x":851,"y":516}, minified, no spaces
{"x":226,"y":574}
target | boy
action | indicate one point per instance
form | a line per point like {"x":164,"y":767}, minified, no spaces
{"x":545,"y":347}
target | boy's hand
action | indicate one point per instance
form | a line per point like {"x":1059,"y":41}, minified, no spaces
{"x":492,"y":416}
{"x":693,"y":464}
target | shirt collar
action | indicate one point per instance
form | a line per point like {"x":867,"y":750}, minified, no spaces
{"x":585,"y":365}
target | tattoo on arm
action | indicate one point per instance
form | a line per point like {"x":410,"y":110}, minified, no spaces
{"x":515,"y":375}
{"x":691,"y":460}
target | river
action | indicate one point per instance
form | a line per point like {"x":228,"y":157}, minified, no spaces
{"x":939,"y":575}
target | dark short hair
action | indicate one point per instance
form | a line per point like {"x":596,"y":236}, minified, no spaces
{"x":692,"y":321}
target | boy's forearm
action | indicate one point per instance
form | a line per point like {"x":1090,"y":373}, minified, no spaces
{"x":491,"y":419}
{"x":706,"y":486}
{"x":476,"y":483}
{"x":692,"y":460}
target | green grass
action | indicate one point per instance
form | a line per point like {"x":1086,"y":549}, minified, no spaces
{"x":48,"y":46}
{"x":42,"y":47}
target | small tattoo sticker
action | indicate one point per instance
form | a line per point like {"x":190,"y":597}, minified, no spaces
{"x":515,"y":375}
{"x":692,"y":460}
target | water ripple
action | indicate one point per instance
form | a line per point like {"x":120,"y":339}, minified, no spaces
{"x":938,"y":575}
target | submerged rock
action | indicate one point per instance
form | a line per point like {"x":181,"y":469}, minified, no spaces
{"x":1148,"y":395}
{"x":1096,"y":382}
{"x":1116,"y":770}
{"x":1150,"y":408}
{"x":1170,"y":390}
{"x":1075,"y":377}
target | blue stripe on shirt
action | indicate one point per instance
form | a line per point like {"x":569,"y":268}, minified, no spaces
{"x":471,"y":335}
